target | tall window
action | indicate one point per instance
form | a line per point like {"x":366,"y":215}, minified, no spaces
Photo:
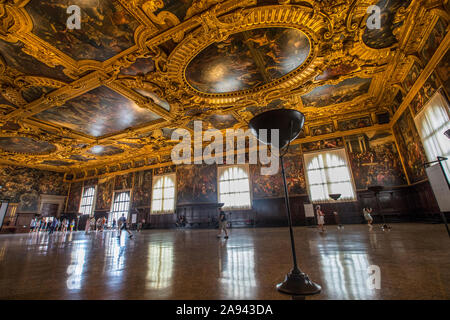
{"x":431,"y":123}
{"x":328,"y":173}
{"x":163,"y":198}
{"x":87,"y":200}
{"x":234,"y":187}
{"x":121,"y":205}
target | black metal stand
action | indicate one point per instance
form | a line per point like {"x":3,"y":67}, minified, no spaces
{"x":439,"y":160}
{"x":296,"y":282}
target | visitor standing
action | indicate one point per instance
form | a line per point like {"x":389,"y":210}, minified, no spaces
{"x":367,"y":215}
{"x":320,"y":218}
{"x":222,"y":224}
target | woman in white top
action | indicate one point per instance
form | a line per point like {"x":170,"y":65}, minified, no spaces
{"x":368,"y":217}
{"x":320,"y":218}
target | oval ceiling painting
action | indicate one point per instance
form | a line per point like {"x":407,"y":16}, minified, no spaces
{"x":248,"y":59}
{"x":25,"y":145}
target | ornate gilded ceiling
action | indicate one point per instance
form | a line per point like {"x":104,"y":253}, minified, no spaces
{"x":112,"y":91}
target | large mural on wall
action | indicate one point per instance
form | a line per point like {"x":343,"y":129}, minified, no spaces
{"x":357,"y":123}
{"x":98,"y":112}
{"x":329,"y":94}
{"x":196,"y":183}
{"x":384,"y":36}
{"x":123,"y":181}
{"x":271,"y":186}
{"x":25,"y":185}
{"x":412,"y":76}
{"x":142,"y":189}
{"x":442,"y":70}
{"x":230,"y":65}
{"x":323,"y":144}
{"x":434,"y":40}
{"x":425,"y":93}
{"x":410,"y":147}
{"x":73,"y":203}
{"x":106,"y":27}
{"x":265,"y":186}
{"x":104,"y":194}
{"x":374,"y":160}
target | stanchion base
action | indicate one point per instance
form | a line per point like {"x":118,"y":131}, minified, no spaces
{"x":297,"y":283}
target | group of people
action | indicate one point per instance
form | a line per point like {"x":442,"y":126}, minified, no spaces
{"x":92,"y":224}
{"x":367,"y":212}
{"x":222,"y":220}
{"x":51,"y":225}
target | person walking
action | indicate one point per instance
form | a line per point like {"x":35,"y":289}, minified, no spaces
{"x":33,"y":225}
{"x":72,"y":225}
{"x":123,"y":226}
{"x":320,"y":218}
{"x":114,"y":224}
{"x":88,"y":226}
{"x":367,"y":215}
{"x":222,"y":224}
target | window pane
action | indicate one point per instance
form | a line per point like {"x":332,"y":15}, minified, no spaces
{"x":234,"y":187}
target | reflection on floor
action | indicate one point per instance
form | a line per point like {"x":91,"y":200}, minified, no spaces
{"x":193,"y":264}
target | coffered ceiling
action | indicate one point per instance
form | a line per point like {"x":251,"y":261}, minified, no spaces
{"x":115,"y":89}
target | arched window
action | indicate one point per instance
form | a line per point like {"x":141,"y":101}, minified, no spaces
{"x":234,"y":187}
{"x":87,"y":200}
{"x":327,"y":173}
{"x":121,"y":205}
{"x":431,"y":123}
{"x":163,"y":196}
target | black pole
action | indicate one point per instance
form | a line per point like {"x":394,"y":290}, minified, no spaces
{"x":440,"y":159}
{"x":289,"y":216}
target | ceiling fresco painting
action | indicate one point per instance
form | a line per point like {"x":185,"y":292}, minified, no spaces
{"x":99,"y":112}
{"x":384,"y":37}
{"x":156,"y":99}
{"x":337,"y":71}
{"x":140,"y":67}
{"x":222,"y":121}
{"x":106,"y":27}
{"x":105,"y":150}
{"x":25,"y":145}
{"x":106,"y":98}
{"x":334,"y":94}
{"x":248,"y":59}
{"x":16,"y":58}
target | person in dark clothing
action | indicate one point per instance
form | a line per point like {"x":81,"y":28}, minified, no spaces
{"x":222,"y":224}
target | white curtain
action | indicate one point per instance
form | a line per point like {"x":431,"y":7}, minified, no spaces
{"x":234,"y":187}
{"x":163,"y":198}
{"x":431,"y":123}
{"x":328,"y":173}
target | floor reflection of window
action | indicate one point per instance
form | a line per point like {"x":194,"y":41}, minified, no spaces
{"x":345,"y":275}
{"x":238,"y":272}
{"x":159,"y":265}
{"x":75,"y":269}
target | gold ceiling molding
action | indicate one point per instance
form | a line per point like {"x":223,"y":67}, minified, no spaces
{"x":334,"y":28}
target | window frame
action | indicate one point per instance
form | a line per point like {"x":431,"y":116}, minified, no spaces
{"x":223,"y":168}
{"x":420,"y":116}
{"x":352,"y":180}
{"x":112,"y":204}
{"x":94,"y":198}
{"x":155,"y":179}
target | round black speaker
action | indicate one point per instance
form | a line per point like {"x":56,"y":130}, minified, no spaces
{"x":289,"y":122}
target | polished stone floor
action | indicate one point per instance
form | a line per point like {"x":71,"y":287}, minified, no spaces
{"x":414,"y":262}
